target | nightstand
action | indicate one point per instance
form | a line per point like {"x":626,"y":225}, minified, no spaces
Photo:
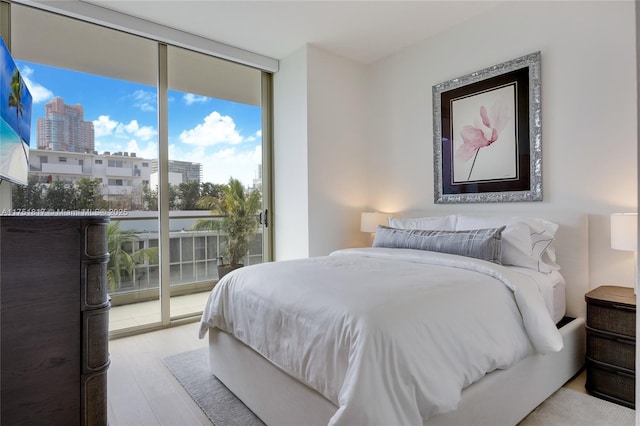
{"x":611,"y":344}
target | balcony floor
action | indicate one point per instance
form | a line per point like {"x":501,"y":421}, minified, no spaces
{"x":144,"y":313}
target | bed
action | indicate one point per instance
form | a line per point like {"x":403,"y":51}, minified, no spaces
{"x":360,"y":337}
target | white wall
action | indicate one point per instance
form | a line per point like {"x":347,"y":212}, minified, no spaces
{"x":589,"y":126}
{"x":291,"y":216}
{"x":337,"y":153}
{"x":319,"y":168}
{"x":589,"y":114}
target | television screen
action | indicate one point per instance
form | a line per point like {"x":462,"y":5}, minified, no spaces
{"x":15,"y":114}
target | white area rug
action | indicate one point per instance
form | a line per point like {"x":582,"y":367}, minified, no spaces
{"x":566,"y":407}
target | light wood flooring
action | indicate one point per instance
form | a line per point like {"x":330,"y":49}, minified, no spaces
{"x":142,"y":391}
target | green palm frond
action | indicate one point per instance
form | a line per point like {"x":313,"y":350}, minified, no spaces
{"x":121,"y":261}
{"x":238,"y":210}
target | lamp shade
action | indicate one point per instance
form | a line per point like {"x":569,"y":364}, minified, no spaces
{"x":624,"y":231}
{"x":369,"y":221}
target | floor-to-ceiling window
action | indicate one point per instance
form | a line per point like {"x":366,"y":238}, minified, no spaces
{"x":153,"y":135}
{"x":215,"y":140}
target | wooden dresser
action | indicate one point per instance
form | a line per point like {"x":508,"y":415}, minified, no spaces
{"x":54,"y":320}
{"x":611,"y":344}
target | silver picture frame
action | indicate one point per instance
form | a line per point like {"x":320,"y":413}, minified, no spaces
{"x":487,"y":134}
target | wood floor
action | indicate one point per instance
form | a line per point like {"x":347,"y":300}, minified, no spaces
{"x":142,"y":391}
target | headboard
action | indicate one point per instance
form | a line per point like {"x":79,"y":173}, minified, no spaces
{"x":572,"y":245}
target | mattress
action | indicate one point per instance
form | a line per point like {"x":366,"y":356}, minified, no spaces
{"x":552,"y":287}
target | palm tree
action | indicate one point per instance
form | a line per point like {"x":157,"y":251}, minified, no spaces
{"x":239,"y":223}
{"x":15,"y":101}
{"x":122,"y":261}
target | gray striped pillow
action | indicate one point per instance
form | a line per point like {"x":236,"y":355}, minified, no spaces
{"x":485,"y":244}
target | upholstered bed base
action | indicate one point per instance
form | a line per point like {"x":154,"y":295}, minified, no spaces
{"x":503,"y":397}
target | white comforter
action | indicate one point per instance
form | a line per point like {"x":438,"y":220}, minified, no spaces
{"x":391,"y":336}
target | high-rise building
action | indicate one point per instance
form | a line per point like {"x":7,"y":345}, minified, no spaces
{"x":188,"y":170}
{"x":63,"y":128}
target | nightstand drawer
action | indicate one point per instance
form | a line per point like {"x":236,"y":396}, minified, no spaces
{"x":614,"y":318}
{"x":611,"y":348}
{"x":611,"y":384}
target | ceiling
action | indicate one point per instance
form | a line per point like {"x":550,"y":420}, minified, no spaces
{"x":364,"y":31}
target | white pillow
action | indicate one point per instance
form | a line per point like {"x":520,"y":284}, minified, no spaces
{"x":432,"y":223}
{"x":526,"y":242}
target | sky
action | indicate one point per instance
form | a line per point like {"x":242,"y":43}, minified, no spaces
{"x":225,"y":137}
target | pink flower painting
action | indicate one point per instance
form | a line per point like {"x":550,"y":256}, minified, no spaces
{"x":485,"y":130}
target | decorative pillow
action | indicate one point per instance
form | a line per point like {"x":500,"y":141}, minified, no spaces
{"x":433,"y":223}
{"x":485,"y":244}
{"x":526,"y":242}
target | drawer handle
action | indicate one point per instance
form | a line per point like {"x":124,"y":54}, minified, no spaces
{"x":622,"y":373}
{"x":625,"y":341}
{"x":624,"y":307}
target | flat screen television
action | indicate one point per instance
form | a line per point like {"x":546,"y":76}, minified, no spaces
{"x":15,"y":120}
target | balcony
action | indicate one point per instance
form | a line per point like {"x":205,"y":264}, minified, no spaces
{"x":193,"y":259}
{"x":127,"y":316}
{"x":119,"y":172}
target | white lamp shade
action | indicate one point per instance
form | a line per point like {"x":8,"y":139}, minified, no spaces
{"x":369,"y":221}
{"x":624,"y":231}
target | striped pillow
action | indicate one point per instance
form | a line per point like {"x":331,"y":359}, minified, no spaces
{"x":485,"y":244}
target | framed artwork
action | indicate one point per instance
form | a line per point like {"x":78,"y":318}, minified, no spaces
{"x":487,"y":135}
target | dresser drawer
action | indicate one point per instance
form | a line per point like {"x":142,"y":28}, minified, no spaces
{"x":95,"y":340}
{"x":611,"y":384}
{"x":614,"y":318}
{"x":94,"y":399}
{"x":611,"y":349}
{"x":94,"y":291}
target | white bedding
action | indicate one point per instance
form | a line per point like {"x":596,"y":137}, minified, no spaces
{"x":391,"y":336}
{"x":552,"y":286}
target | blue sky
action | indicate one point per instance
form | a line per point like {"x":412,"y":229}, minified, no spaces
{"x":223,"y":136}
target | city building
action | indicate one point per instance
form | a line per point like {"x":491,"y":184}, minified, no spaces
{"x":63,"y":128}
{"x":183,"y":171}
{"x":121,"y":173}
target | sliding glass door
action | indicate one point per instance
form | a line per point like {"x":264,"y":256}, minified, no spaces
{"x":169,"y":129}
{"x":214,"y":154}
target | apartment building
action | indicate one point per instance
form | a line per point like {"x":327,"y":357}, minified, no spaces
{"x":121,"y":173}
{"x":63,"y":128}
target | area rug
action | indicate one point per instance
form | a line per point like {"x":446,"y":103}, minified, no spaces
{"x":566,"y":407}
{"x":222,"y":407}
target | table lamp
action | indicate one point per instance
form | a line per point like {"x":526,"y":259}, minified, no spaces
{"x":369,"y":222}
{"x":624,"y":236}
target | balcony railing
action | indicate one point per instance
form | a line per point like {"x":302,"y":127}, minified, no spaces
{"x":193,"y":257}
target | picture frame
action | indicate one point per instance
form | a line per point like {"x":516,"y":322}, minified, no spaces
{"x":487,"y":136}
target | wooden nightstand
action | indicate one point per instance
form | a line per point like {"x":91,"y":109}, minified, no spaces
{"x":611,"y":344}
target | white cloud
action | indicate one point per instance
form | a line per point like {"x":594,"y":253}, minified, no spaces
{"x":219,"y":166}
{"x":150,"y":151}
{"x":104,"y":126}
{"x":133,"y":128}
{"x":190,"y":98}
{"x":39,"y":93}
{"x":255,"y":137}
{"x":115,"y":136}
{"x":145,"y":101}
{"x":214,"y":130}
